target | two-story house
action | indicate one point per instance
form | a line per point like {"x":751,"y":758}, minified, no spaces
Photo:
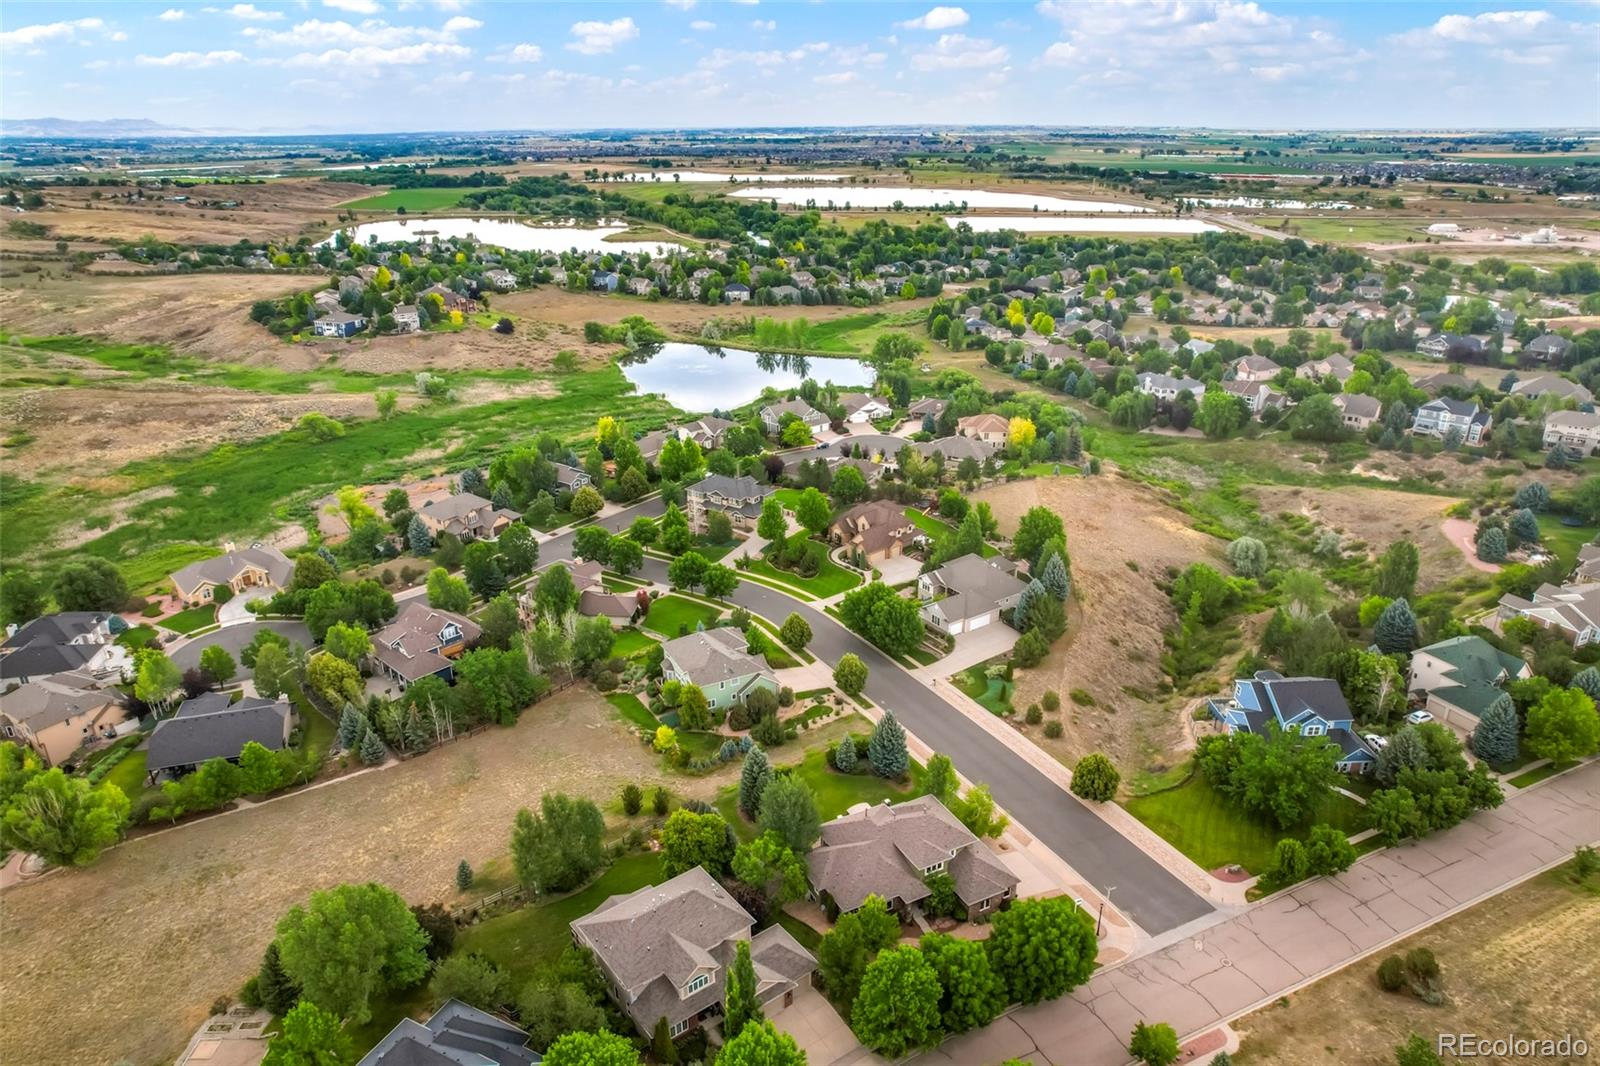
{"x":55,"y":715}
{"x":1448,"y":345}
{"x":988,"y":428}
{"x":1312,"y":705}
{"x":665,"y":951}
{"x":772,"y":416}
{"x":740,"y":498}
{"x":466,"y":515}
{"x":1358,"y":410}
{"x":1255,"y":368}
{"x":890,"y":851}
{"x":1338,"y":367}
{"x":339,"y":324}
{"x":421,"y":642}
{"x":1550,"y":348}
{"x":717,"y":660}
{"x":1165,"y":387}
{"x":968,"y":593}
{"x":862,"y":407}
{"x":1437,"y":418}
{"x":1577,"y":431}
{"x":879,"y":529}
{"x":571,"y":478}
{"x":1571,"y":610}
{"x":1460,"y":677}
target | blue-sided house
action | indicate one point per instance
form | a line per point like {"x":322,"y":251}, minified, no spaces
{"x":1312,"y":705}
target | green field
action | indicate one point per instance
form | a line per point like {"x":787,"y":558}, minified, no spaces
{"x":1335,"y":230}
{"x":938,"y":527}
{"x":413,"y":200}
{"x":671,"y":616}
{"x":1214,"y":832}
{"x":128,"y":774}
{"x":831,"y":578}
{"x":1564,"y":541}
{"x":631,"y":642}
{"x":994,"y":693}
{"x":187,"y":621}
{"x":632,"y":711}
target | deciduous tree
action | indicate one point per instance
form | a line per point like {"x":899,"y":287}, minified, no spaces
{"x":1042,"y":948}
{"x":898,"y":1006}
{"x":350,"y":944}
{"x":560,"y":846}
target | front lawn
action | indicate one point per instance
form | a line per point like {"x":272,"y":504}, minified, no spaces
{"x":835,"y":793}
{"x":831,"y":578}
{"x":631,"y":642}
{"x":635,"y":712}
{"x":673,"y":616}
{"x":1211,"y":829}
{"x":187,"y":621}
{"x":1563,"y":541}
{"x":410,"y":200}
{"x":994,"y":693}
{"x":936,"y":527}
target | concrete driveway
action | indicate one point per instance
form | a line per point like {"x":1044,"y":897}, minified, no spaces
{"x":817,"y":1028}
{"x":235,"y":638}
{"x":899,"y":570}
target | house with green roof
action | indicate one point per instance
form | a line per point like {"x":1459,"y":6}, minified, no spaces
{"x":1459,"y":678}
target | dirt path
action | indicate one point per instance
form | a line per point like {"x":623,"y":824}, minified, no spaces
{"x":1459,"y":532}
{"x":121,"y":960}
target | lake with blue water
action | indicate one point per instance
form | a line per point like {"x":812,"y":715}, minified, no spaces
{"x":701,"y":378}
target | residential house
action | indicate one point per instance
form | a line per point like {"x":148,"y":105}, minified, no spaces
{"x":214,"y":726}
{"x":1437,"y":418}
{"x":1197,"y":346}
{"x":1252,"y":368}
{"x":862,"y":407}
{"x":339,"y":324}
{"x":1575,"y":430}
{"x":502,"y":280}
{"x":890,"y":851}
{"x":55,"y":715}
{"x":784,"y":294}
{"x":350,"y":285}
{"x":879,"y":529}
{"x":716,"y":660}
{"x":968,"y":593}
{"x":706,"y":432}
{"x":1435,"y":384}
{"x":1549,"y":348}
{"x":1460,"y":677}
{"x":1588,"y":568}
{"x":989,"y":428}
{"x":735,"y":293}
{"x":1552,"y":385}
{"x":571,"y":478}
{"x":772,"y":416}
{"x":641,"y":285}
{"x":954,"y":449}
{"x":665,"y":950}
{"x":928,"y":405}
{"x":406,"y":319}
{"x":1358,"y":410}
{"x":421,"y":642}
{"x":1448,"y":345}
{"x":1574,"y":610}
{"x":326,"y":302}
{"x":1369,"y":288}
{"x":604,"y":281}
{"x":1312,"y":705}
{"x":651,"y":443}
{"x":65,"y":627}
{"x":260,"y":566}
{"x":740,"y":498}
{"x":452,"y":300}
{"x":466,"y":515}
{"x":879,"y":447}
{"x":69,"y":642}
{"x":1166,"y":387}
{"x":456,"y":1035}
{"x":1257,"y":396}
{"x":803,"y":278}
{"x":595,"y":600}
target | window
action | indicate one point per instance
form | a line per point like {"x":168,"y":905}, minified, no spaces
{"x":1314,"y":730}
{"x":935,"y":868}
{"x":697,"y":984}
{"x":679,"y":1027}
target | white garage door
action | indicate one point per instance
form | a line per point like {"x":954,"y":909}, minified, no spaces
{"x":979,"y":622}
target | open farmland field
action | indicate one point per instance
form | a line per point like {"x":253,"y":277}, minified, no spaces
{"x":413,"y":201}
{"x":277,"y":210}
{"x":1113,"y":645}
{"x":165,"y":924}
{"x":1508,"y":966}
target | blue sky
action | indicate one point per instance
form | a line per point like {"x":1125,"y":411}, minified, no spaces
{"x":396,"y":65}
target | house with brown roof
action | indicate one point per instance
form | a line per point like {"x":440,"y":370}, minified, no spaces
{"x":1335,"y":366}
{"x":954,"y":449}
{"x":879,"y":529}
{"x":421,"y":642}
{"x":1253,"y":368}
{"x":466,"y":515}
{"x":58,"y":714}
{"x":665,"y":950}
{"x":594,"y":599}
{"x":1358,"y":410}
{"x":928,"y":405}
{"x":863,"y":407}
{"x":890,"y":851}
{"x":719,"y":662}
{"x":706,"y":432}
{"x":260,"y":566}
{"x":989,"y":428}
{"x":740,"y":498}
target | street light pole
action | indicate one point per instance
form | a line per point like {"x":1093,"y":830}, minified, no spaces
{"x":1100,"y":918}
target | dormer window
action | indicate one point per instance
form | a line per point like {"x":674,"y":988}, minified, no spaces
{"x":700,"y":981}
{"x":1314,"y":730}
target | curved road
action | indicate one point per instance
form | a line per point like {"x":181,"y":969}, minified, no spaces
{"x":1146,"y":891}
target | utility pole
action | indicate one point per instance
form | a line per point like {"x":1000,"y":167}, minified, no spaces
{"x":1099,"y":919}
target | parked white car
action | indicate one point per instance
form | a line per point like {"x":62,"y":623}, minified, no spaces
{"x":1418,"y":717}
{"x":1375,"y":742}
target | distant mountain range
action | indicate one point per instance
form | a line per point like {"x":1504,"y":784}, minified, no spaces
{"x":109,"y":127}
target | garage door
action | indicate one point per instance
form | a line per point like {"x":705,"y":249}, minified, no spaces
{"x":979,"y":622}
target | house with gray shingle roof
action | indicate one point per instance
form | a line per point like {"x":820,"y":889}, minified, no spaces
{"x":718,"y":662}
{"x":466,"y":515}
{"x":740,"y":498}
{"x":456,"y":1035}
{"x":421,"y":642}
{"x":58,"y":714}
{"x":665,"y":950}
{"x":968,"y":593}
{"x":1552,"y":385}
{"x":259,"y":566}
{"x":1460,"y":677}
{"x":954,"y":449}
{"x":890,"y":852}
{"x":211,"y":727}
{"x":772,"y":416}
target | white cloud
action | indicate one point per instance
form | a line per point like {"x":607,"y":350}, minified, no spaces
{"x":597,"y":38}
{"x":369,"y":56}
{"x":764,"y":25}
{"x":843,"y":77}
{"x":702,"y":26}
{"x":461,"y":24}
{"x":1062,"y":53}
{"x":48,"y":31}
{"x":682,"y":5}
{"x":1492,"y":27}
{"x":97,"y":64}
{"x":251,"y":13}
{"x":118,"y":36}
{"x":525,"y":53}
{"x":939,"y":18}
{"x":957,"y":51}
{"x":172,"y":14}
{"x":1277,"y":73}
{"x":355,"y":7}
{"x":191,"y":59}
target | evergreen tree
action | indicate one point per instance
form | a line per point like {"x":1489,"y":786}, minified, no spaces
{"x":753,"y":781}
{"x":1396,"y":629}
{"x":418,"y":538}
{"x":1524,"y":526}
{"x":1055,"y":578}
{"x":1030,"y":592}
{"x":277,"y":990}
{"x":1532,"y":496}
{"x":662,"y":1049}
{"x":463,"y":875}
{"x":1492,"y":545}
{"x":739,"y":1006}
{"x":1495,"y":738}
{"x":844,"y":759}
{"x":1588,"y":679}
{"x":886,"y":751}
{"x":351,"y":727}
{"x":371,"y":749}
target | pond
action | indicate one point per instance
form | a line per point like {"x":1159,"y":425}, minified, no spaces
{"x":699,"y":378}
{"x":1034,"y":224}
{"x":663,"y":176}
{"x":522,"y":236}
{"x":908,"y":196}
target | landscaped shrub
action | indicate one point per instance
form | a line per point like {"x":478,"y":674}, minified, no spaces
{"x":1392,"y":974}
{"x":1050,"y":701}
{"x":1034,"y":715}
{"x":1053,"y":730}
